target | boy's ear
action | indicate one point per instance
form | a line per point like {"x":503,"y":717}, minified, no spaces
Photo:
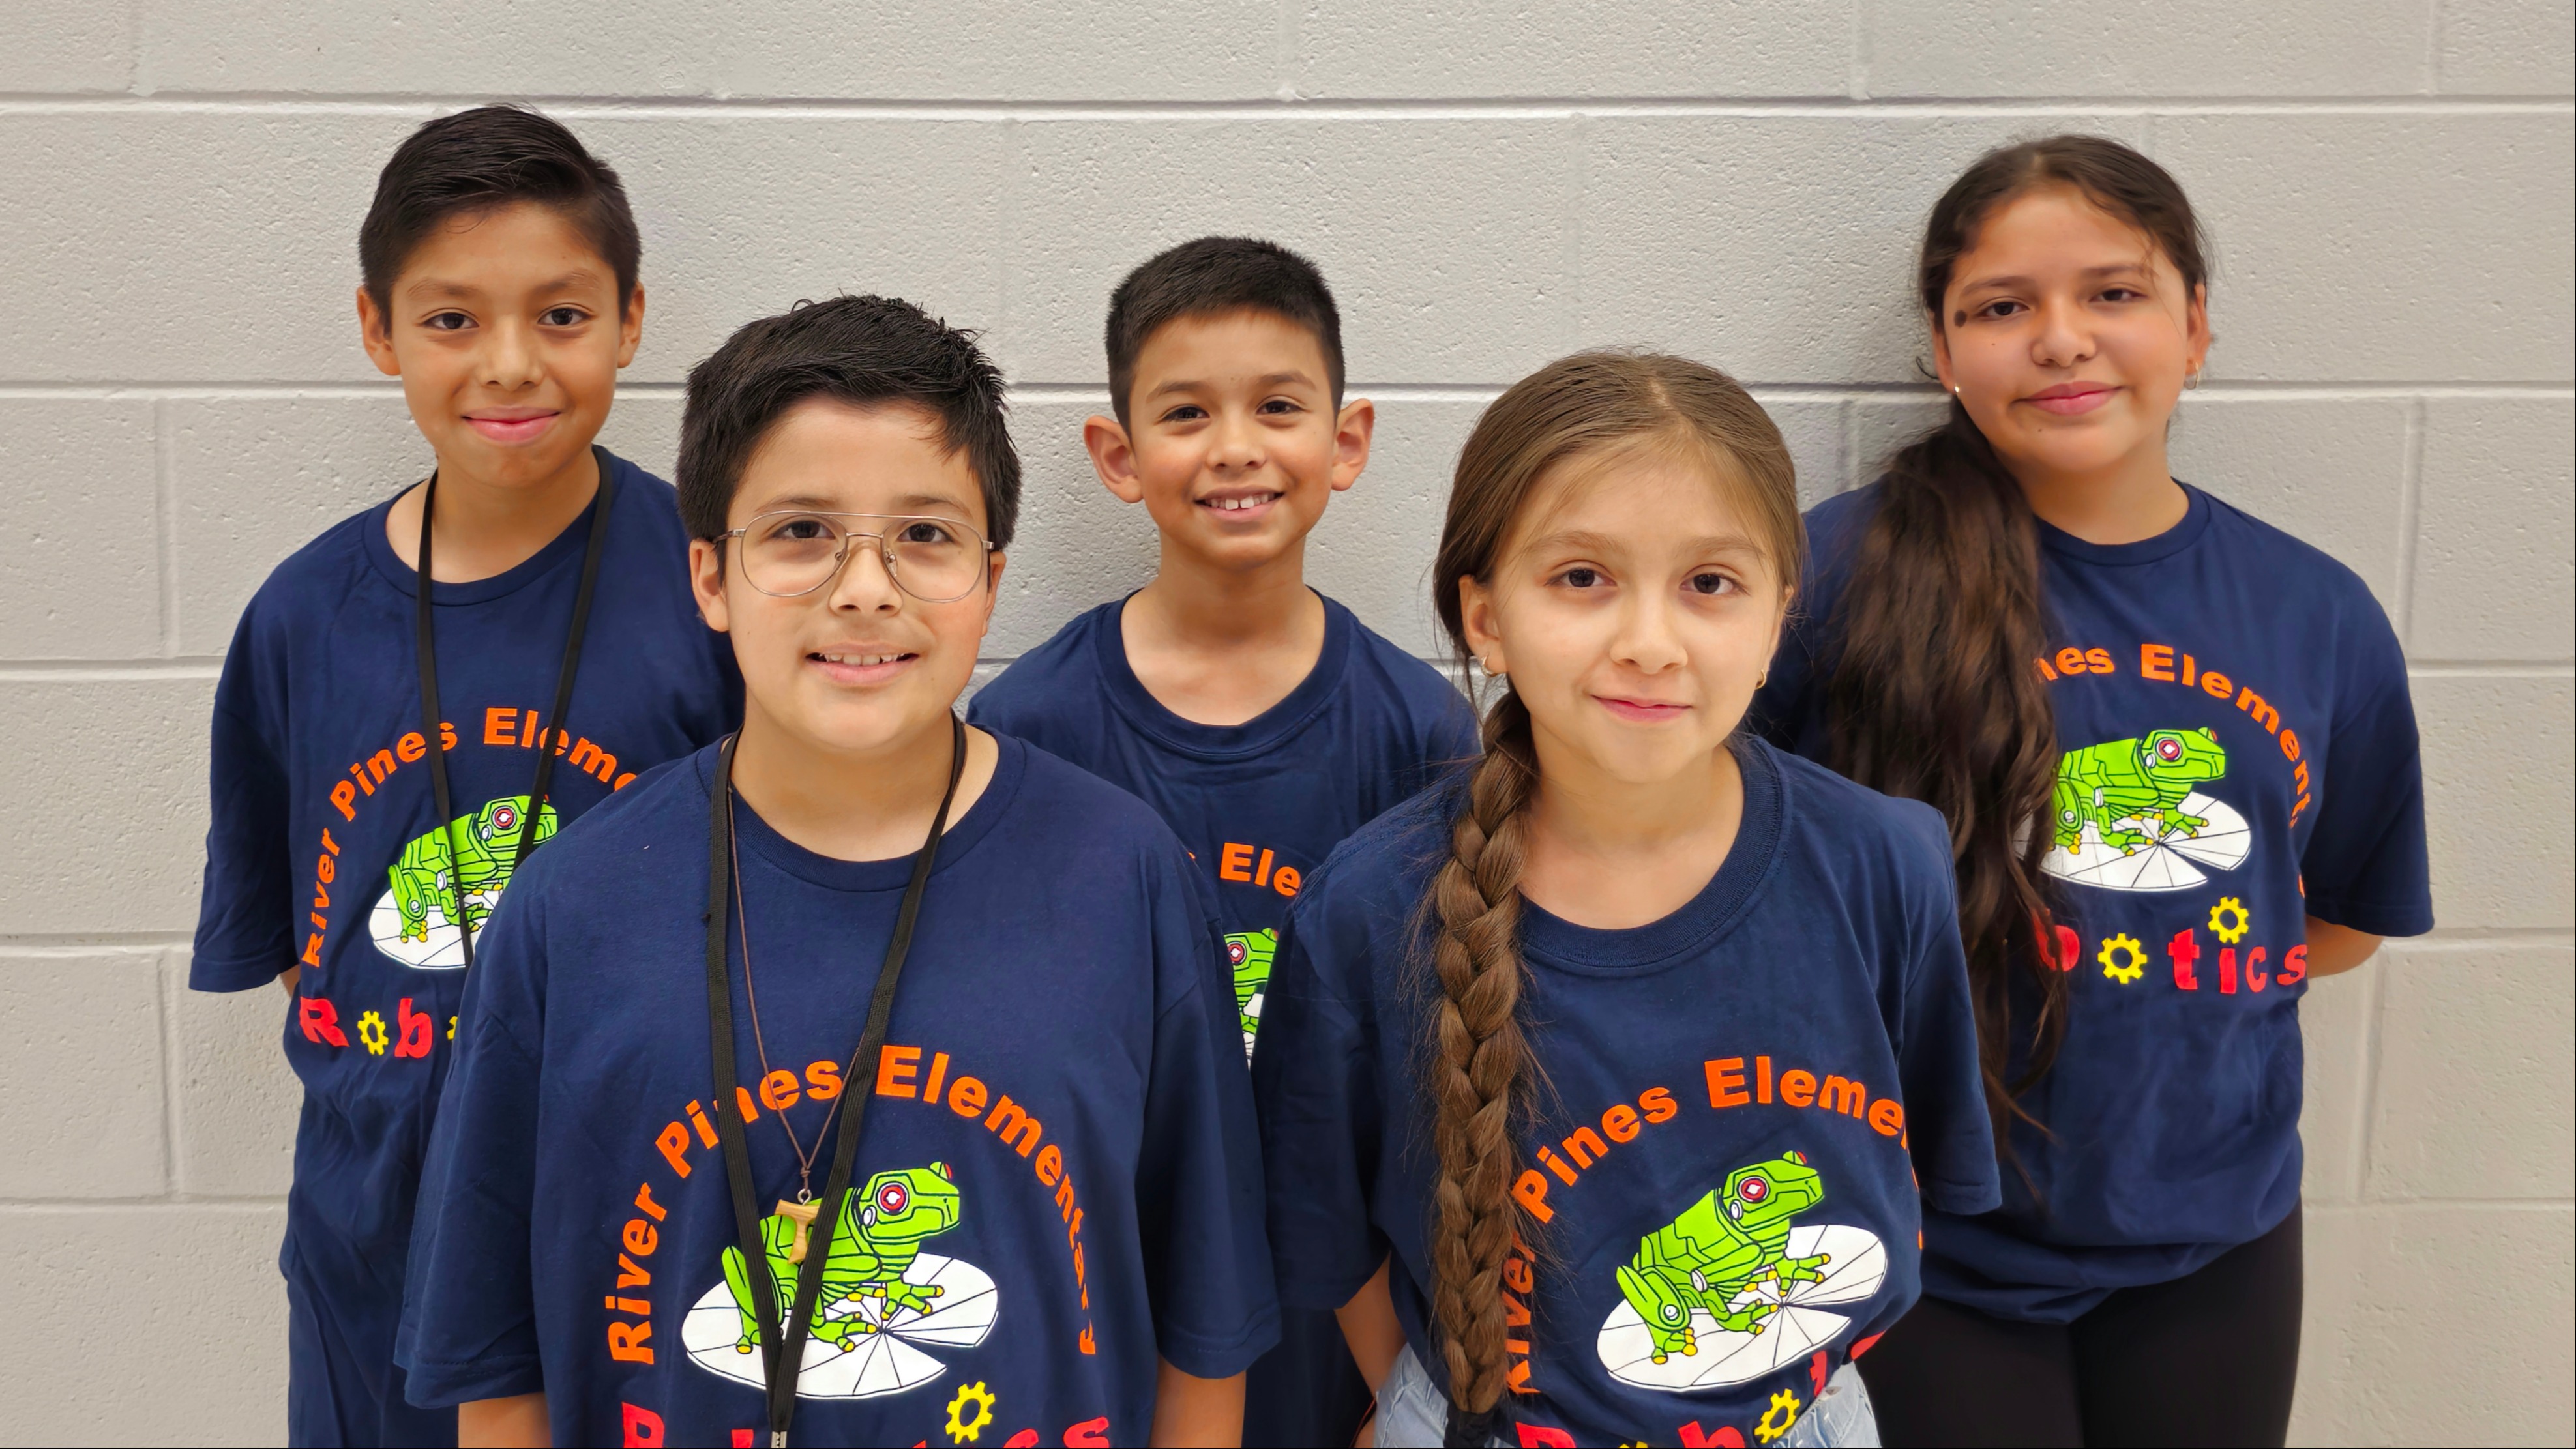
{"x":630,"y":326}
{"x":1352,"y":430}
{"x":1113,"y":457}
{"x":706,"y":581}
{"x":376,"y":335}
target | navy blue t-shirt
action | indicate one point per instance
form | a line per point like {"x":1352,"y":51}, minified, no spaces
{"x":2239,"y":754}
{"x":1259,"y":804}
{"x":324,"y":849}
{"x":1725,"y":1138}
{"x":1057,"y":1180}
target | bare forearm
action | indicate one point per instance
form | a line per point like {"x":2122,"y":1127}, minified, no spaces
{"x":513,"y":1423}
{"x":1192,"y":1411}
{"x":1368,"y":1322}
{"x":2334,"y":949}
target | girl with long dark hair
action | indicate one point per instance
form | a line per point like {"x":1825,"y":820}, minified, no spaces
{"x":2178,"y":761}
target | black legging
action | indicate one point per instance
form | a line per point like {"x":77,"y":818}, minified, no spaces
{"x":2209,"y":1358}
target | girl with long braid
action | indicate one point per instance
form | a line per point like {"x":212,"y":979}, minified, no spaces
{"x":1599,"y":1087}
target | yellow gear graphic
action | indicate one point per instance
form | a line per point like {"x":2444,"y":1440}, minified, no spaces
{"x":1782,"y":1403}
{"x":2125,"y":972}
{"x":2244,"y":919}
{"x":371,"y":1030}
{"x":975,"y":1393}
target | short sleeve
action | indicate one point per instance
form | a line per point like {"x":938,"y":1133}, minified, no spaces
{"x":469,"y":1322}
{"x":2365,"y":865}
{"x":245,"y":929}
{"x":1456,"y":735}
{"x":1198,"y":1175}
{"x":1947,"y":1128}
{"x":1314,"y":1080}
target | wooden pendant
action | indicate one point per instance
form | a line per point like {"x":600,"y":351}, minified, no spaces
{"x":802,"y":1214}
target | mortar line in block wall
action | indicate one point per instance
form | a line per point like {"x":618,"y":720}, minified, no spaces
{"x":176,"y":1202}
{"x":58,"y":945}
{"x":171,"y":1116}
{"x":2410,"y":512}
{"x":572,"y":108}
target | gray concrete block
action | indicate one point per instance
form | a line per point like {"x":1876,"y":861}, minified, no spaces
{"x":2406,"y":1306}
{"x":80,"y":1073}
{"x":2335,"y":1026}
{"x":258,"y":477}
{"x":1779,"y":248}
{"x":1495,"y":48}
{"x":1374,"y":548}
{"x":2329,"y":471}
{"x":745,"y":213}
{"x":1078,"y":545}
{"x":981,"y":49}
{"x":2327,"y":228}
{"x":644,"y":429}
{"x":1883,"y":423}
{"x":59,"y":47}
{"x":127,"y":758}
{"x":82,"y":519}
{"x":235,"y":1100}
{"x":145,"y":1324}
{"x":2505,"y":47}
{"x":1817,"y":429}
{"x":2496,"y":530}
{"x":2189,"y":48}
{"x":2473,"y":1068}
{"x":1445,"y":241}
{"x":2497,"y":798}
{"x":222,"y":245}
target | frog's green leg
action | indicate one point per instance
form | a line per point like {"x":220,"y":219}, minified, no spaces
{"x":1665,"y":1314}
{"x":896,"y":1293}
{"x":2067,"y":806}
{"x":1801,"y":1270}
{"x":2188,"y":824}
{"x":740,"y":1283}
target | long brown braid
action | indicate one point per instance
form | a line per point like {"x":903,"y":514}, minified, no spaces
{"x":1477,"y":1069}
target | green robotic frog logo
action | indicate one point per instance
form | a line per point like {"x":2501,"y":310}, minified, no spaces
{"x":1733,"y":1289}
{"x":882,"y":1303}
{"x":2130,"y":815}
{"x":410,"y":922}
{"x":1248,"y":953}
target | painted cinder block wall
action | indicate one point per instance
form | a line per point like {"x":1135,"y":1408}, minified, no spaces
{"x":183,"y":400}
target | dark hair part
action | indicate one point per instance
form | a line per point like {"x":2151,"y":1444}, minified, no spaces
{"x":1213,"y":275}
{"x":1477,"y":1067}
{"x":1936,"y":696}
{"x":479,"y":161}
{"x":863,"y":351}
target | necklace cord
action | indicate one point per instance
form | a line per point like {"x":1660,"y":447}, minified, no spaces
{"x":860,"y":1079}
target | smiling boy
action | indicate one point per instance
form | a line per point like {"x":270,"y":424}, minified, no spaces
{"x":1046,"y":1225}
{"x":1261,"y":719}
{"x":556,"y":654}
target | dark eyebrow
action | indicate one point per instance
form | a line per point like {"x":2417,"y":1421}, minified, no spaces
{"x":1582,"y":541}
{"x":908,"y":504}
{"x":2113,"y":270}
{"x":1189,"y":384}
{"x":428,"y":287}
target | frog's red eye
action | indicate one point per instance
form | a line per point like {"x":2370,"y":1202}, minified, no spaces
{"x":505,"y":817}
{"x":1753,"y":1189}
{"x":892,"y":1199}
{"x":2169,"y":748}
{"x":1235,"y":953}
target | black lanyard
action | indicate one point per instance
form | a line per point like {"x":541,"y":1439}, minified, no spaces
{"x":548,"y":727}
{"x":782,"y":1363}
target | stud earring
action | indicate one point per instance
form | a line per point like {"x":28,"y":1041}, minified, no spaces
{"x":2191,"y":380}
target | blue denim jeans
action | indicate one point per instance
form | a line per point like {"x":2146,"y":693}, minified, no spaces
{"x":1412,"y":1413}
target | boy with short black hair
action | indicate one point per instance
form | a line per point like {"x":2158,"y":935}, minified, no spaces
{"x":1261,"y":719}
{"x":430,"y":690}
{"x":1037,"y":1218}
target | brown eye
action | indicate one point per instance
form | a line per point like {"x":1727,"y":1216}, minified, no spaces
{"x":1710,"y":583}
{"x":1581,"y":578}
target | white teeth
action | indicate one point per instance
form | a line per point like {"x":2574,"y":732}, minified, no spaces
{"x":1237,"y":505}
{"x":860,"y":660}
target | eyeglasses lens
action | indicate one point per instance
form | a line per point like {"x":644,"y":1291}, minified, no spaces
{"x":933,"y":559}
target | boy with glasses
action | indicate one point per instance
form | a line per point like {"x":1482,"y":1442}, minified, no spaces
{"x":866,"y":1077}
{"x":1261,"y":719}
{"x":431,"y":690}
